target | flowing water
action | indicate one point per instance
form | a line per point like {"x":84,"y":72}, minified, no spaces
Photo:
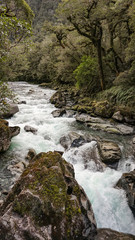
{"x":109,"y":204}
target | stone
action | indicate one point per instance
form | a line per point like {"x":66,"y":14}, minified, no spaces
{"x":6,"y":134}
{"x":30,"y":129}
{"x":14,"y":131}
{"x":108,"y":234}
{"x":110,"y":152}
{"x":13,"y":108}
{"x":125,"y":130}
{"x":22,"y":102}
{"x":47,"y":203}
{"x":73,"y":139}
{"x":133,"y":140}
{"x":127,"y":182}
{"x":70,"y":113}
{"x":104,"y":125}
{"x":30,"y":155}
{"x":58,"y":113}
{"x":118,"y":116}
{"x":103,"y":109}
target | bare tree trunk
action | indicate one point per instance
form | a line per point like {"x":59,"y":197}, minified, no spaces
{"x":100,"y":65}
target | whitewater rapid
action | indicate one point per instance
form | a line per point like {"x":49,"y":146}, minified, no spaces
{"x":109,"y":204}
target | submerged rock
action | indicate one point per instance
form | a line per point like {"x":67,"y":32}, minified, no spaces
{"x":6,"y":133}
{"x":47,"y":203}
{"x":58,"y":113}
{"x":127,"y":182}
{"x":110,"y":152}
{"x":108,"y":234}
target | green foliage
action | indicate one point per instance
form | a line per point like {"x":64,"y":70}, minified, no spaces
{"x":86,"y":74}
{"x":119,"y":95}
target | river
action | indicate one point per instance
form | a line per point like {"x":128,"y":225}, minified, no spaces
{"x":109,"y":204}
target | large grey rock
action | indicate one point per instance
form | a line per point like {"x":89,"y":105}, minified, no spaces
{"x":12,"y":109}
{"x":6,"y":133}
{"x":127,"y":182}
{"x":105,"y":125}
{"x":47,"y":203}
{"x":110,"y":152}
{"x":30,"y":129}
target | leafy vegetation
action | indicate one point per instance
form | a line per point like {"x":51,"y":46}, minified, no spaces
{"x":88,"y":44}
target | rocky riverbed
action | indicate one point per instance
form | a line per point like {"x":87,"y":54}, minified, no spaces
{"x":99,"y":160}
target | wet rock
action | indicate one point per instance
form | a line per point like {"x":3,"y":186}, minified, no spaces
{"x":47,"y":203}
{"x":14,"y":131}
{"x":58,"y":113}
{"x":30,"y":91}
{"x":108,"y":234}
{"x":73,"y":139}
{"x":110,"y":152}
{"x":104,"y":125}
{"x":133,"y":140}
{"x":91,"y":157}
{"x":22,"y":102}
{"x":118,"y":116}
{"x":70,"y":113}
{"x":58,"y":99}
{"x":6,"y":133}
{"x":30,"y":129}
{"x":30,"y":155}
{"x":127,"y":182}
{"x":13,"y":108}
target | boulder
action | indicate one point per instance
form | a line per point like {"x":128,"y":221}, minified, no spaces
{"x":104,"y":125}
{"x":30,"y":129}
{"x":47,"y":203}
{"x":12,"y":109}
{"x":6,"y":133}
{"x":73,"y":139}
{"x":110,"y":152}
{"x":118,"y":116}
{"x":103,"y":109}
{"x":30,"y":155}
{"x":127,"y":182}
{"x":108,"y":234}
{"x":58,"y":99}
{"x":58,"y":113}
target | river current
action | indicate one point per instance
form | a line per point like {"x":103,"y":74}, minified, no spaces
{"x":109,"y":203}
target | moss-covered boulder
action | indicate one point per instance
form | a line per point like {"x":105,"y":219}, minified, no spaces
{"x":47,"y":203}
{"x":103,"y":109}
{"x":6,"y":133}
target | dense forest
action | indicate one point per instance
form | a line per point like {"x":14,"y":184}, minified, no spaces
{"x":88,"y":45}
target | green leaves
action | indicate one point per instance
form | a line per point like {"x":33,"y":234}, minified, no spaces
{"x":86,"y":74}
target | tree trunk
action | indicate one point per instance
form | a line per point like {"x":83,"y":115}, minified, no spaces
{"x":100,"y":65}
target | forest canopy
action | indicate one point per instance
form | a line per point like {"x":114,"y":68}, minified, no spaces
{"x":85,"y":44}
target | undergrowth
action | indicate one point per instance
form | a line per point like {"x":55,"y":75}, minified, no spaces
{"x":120,"y":95}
